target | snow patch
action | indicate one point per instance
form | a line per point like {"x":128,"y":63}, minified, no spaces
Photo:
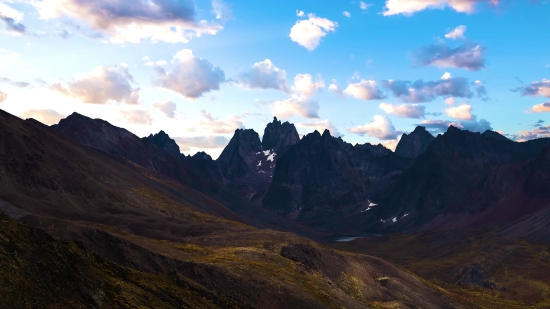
{"x":263,"y":172}
{"x":259,"y":163}
{"x":271,"y":157}
{"x":394,"y":219}
{"x":371,"y":204}
{"x":266,"y":152}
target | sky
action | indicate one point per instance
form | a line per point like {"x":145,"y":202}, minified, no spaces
{"x":368,"y":71}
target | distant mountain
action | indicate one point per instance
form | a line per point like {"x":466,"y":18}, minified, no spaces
{"x":323,"y":179}
{"x":414,"y":144}
{"x":248,"y":163}
{"x":164,"y":141}
{"x":453,"y":183}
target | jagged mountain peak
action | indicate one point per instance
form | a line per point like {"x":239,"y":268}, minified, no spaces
{"x":164,"y":141}
{"x":279,"y":136}
{"x":414,"y":144}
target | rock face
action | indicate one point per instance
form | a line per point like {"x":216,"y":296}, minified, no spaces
{"x":164,"y":141}
{"x":414,"y":144}
{"x":322,"y":179}
{"x":248,"y":163}
{"x":238,"y":156}
{"x":279,"y":137}
{"x":459,"y":179}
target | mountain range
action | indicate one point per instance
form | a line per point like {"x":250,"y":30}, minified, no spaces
{"x":115,"y":220}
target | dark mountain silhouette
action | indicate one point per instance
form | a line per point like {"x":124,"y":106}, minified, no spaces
{"x":164,"y":141}
{"x":139,"y":236}
{"x":414,"y":144}
{"x":323,"y":179}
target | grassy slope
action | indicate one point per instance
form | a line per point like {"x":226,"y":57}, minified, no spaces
{"x":477,"y":266}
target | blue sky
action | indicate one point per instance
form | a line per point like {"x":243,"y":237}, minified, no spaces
{"x":368,"y":71}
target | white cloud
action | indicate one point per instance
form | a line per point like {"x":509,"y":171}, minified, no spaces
{"x":380,"y":127}
{"x":215,"y":125}
{"x":364,"y":6}
{"x":334,"y":88}
{"x":204,"y":142}
{"x":462,"y":112}
{"x":301,"y":105}
{"x":404,"y":110}
{"x":263,"y":75}
{"x":304,"y":84}
{"x":300,"y":13}
{"x":139,"y":117}
{"x":421,"y":91}
{"x":346,"y":13}
{"x":409,"y":7}
{"x":469,"y":56}
{"x":364,"y":90}
{"x":102,"y":85}
{"x":3,"y":96}
{"x":167,"y":107}
{"x":12,"y":18}
{"x":535,"y":89}
{"x":450,"y":101}
{"x":446,"y":75}
{"x":309,"y":32}
{"x":540,"y":108}
{"x":132,"y":21}
{"x":456,"y":33}
{"x":46,"y":116}
{"x":321,"y":126}
{"x":191,"y":76}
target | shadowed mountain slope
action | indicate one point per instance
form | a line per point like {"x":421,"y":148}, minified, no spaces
{"x":156,"y":245}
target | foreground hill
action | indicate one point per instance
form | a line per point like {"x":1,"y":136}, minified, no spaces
{"x":148,"y":235}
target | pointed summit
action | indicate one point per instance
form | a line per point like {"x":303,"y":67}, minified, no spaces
{"x":164,"y":141}
{"x":279,"y":137}
{"x":414,"y":144}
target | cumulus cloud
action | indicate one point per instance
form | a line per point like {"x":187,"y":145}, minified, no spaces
{"x":157,"y":63}
{"x":296,"y":104}
{"x":219,"y":126}
{"x":321,"y":126}
{"x":469,"y":56}
{"x":364,"y":90}
{"x":102,"y":85}
{"x":263,"y":75}
{"x":304,"y":85}
{"x":536,"y":89}
{"x":380,"y":127}
{"x":166,"y":107}
{"x":462,"y":112}
{"x":440,"y":126}
{"x":421,"y":91}
{"x":404,"y":110}
{"x":12,"y":18}
{"x":450,"y":101}
{"x":300,"y":13}
{"x":346,"y":13}
{"x":191,"y":76}
{"x":208,"y":142}
{"x":131,"y":21}
{"x":456,"y":33}
{"x":46,"y":116}
{"x":3,"y":96}
{"x":309,"y":32}
{"x":538,"y":132}
{"x":333,"y":87}
{"x":409,"y":7}
{"x":363,"y":5}
{"x":140,"y":117}
{"x":540,"y":108}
